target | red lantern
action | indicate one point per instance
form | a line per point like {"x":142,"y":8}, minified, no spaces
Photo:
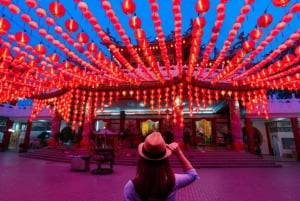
{"x":31,"y":3}
{"x":71,"y":25}
{"x":4,"y":52}
{"x":92,"y":47}
{"x":54,"y":58}
{"x":288,"y":59}
{"x":57,"y":9}
{"x":128,"y":7}
{"x":202,"y":6}
{"x":199,"y":22}
{"x":22,"y":38}
{"x":297,"y":51}
{"x":42,"y":32}
{"x":255,"y":34}
{"x":280,"y":3}
{"x":58,"y":29}
{"x":41,"y":12}
{"x":25,"y":17}
{"x":83,"y":6}
{"x":278,"y":64}
{"x":99,"y":56}
{"x":5,"y":2}
{"x":139,"y":34}
{"x":50,"y":21}
{"x":14,"y":9}
{"x":33,"y":25}
{"x":265,"y":20}
{"x":4,"y":25}
{"x":135,"y":22}
{"x":295,"y":8}
{"x":82,"y":37}
{"x":40,"y":49}
{"x":241,"y":53}
{"x":248,"y":45}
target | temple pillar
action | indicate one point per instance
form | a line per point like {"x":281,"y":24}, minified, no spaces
{"x":27,"y":137}
{"x":122,"y":122}
{"x":236,"y":127}
{"x":55,"y":127}
{"x":249,"y":133}
{"x":296,"y":132}
{"x":6,"y":135}
{"x":177,"y":131}
{"x":87,"y":129}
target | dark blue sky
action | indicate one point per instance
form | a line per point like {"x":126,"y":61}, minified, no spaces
{"x":165,"y":10}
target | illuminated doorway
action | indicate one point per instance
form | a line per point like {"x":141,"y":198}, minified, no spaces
{"x":148,"y":126}
{"x":203,"y":133}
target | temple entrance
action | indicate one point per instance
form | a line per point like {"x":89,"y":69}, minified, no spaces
{"x":203,"y":134}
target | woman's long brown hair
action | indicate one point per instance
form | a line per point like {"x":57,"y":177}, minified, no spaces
{"x":154,"y":179}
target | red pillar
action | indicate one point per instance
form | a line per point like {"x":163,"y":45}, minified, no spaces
{"x":6,"y":134}
{"x":295,"y":128}
{"x":27,"y":136}
{"x":249,"y":134}
{"x":55,"y":127}
{"x":87,"y":129}
{"x":236,"y":127}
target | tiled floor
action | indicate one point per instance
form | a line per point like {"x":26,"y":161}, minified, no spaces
{"x":37,"y":180}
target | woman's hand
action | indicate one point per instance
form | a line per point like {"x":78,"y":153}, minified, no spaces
{"x":174,"y":147}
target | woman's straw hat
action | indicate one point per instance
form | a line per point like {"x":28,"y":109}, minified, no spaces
{"x":154,"y":147}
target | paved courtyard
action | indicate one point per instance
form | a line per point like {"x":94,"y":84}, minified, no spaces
{"x":23,"y":179}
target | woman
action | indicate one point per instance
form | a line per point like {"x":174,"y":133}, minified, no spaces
{"x":154,"y":178}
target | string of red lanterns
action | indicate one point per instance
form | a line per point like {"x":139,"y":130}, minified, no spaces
{"x":232,"y":33}
{"x":178,"y":36}
{"x":214,"y":37}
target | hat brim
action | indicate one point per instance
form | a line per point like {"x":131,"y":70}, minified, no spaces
{"x":140,"y":151}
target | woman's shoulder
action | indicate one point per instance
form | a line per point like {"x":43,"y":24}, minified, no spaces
{"x":129,"y":185}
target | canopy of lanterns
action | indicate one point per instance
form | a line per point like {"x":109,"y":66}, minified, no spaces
{"x":80,"y":55}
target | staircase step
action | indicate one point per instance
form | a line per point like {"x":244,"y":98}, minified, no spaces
{"x":129,"y":157}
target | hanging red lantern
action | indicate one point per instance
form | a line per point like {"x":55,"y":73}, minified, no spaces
{"x":54,"y":58}
{"x":199,"y":22}
{"x":265,"y":20}
{"x":31,"y":3}
{"x":82,"y":37}
{"x":99,"y":56}
{"x":280,"y":3}
{"x":25,"y":17}
{"x":4,"y":52}
{"x":256,"y":34}
{"x":83,"y":6}
{"x":14,"y":9}
{"x":4,"y":25}
{"x":295,"y":8}
{"x":92,"y":47}
{"x":128,"y":7}
{"x":248,"y":45}
{"x":5,"y":2}
{"x":278,"y":64}
{"x":202,"y":6}
{"x":22,"y":38}
{"x":41,"y":12}
{"x":50,"y":21}
{"x":40,"y":49}
{"x":57,"y":9}
{"x":288,"y":59}
{"x":139,"y":34}
{"x":297,"y":51}
{"x":71,"y":25}
{"x":135,"y":22}
{"x":241,"y":53}
{"x":33,"y":24}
